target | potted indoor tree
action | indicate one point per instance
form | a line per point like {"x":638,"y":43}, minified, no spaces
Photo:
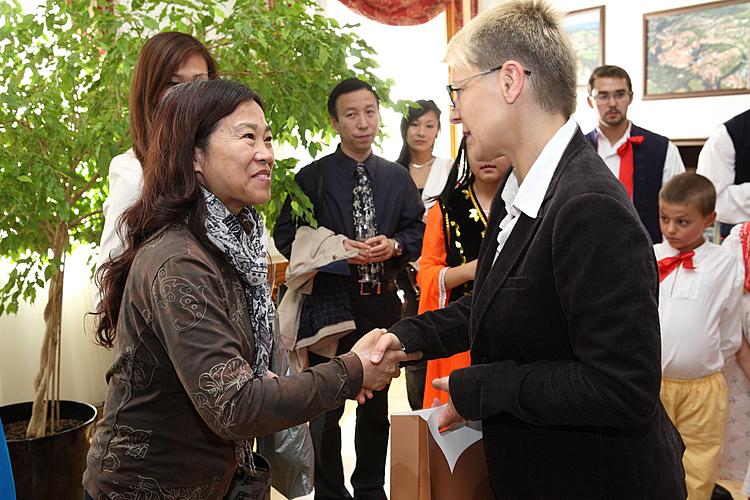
{"x":63,"y":116}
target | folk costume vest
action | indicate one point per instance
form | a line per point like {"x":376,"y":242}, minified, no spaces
{"x":738,"y":129}
{"x":464,"y":225}
{"x":648,"y":171}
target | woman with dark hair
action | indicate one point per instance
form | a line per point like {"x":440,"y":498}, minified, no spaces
{"x":164,"y":61}
{"x":188,"y":311}
{"x":419,"y":129}
{"x":455,"y":228}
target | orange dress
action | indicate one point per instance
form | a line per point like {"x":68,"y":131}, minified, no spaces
{"x":434,"y":260}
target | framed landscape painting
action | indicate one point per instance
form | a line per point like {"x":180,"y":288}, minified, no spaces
{"x":585,"y":28}
{"x":697,"y":51}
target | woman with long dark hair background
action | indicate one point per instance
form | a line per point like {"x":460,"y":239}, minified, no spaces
{"x":419,"y":130}
{"x":165,"y":60}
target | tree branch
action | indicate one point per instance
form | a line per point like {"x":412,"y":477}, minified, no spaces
{"x":77,"y":194}
{"x":82,"y":218}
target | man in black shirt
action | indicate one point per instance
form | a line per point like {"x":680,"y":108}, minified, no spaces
{"x":374,"y":203}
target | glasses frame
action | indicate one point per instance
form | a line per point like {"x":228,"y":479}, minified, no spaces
{"x":451,"y":88}
{"x":613,"y":95}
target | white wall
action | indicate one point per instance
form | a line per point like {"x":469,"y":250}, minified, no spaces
{"x":83,"y":363}
{"x":694,"y":117}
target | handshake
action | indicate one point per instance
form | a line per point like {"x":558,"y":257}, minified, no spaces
{"x":380,"y":353}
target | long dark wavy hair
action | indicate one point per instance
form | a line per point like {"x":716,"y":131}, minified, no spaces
{"x":161,"y":57}
{"x":404,"y":158}
{"x":184,"y":120}
{"x":460,"y":176}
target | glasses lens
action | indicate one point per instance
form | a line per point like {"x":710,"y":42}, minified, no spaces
{"x":619,"y":95}
{"x":452,"y":94}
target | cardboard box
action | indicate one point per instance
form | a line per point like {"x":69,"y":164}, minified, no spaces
{"x":428,"y":465}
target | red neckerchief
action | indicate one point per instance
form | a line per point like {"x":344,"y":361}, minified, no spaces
{"x":625,"y":151}
{"x":669,"y":264}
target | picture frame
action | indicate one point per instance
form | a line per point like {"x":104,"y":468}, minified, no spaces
{"x":585,"y":29}
{"x":696,"y":51}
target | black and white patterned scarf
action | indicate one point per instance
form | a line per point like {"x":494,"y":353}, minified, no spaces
{"x":365,"y":226}
{"x":246,"y":251}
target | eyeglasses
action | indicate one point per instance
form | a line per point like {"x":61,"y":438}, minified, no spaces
{"x":454,"y":92}
{"x":604,"y":97}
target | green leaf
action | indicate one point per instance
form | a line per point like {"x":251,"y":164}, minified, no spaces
{"x":64,"y":105}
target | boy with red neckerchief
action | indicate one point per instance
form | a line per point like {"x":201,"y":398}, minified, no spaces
{"x":700,"y":315}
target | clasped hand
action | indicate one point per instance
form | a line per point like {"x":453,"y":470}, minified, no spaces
{"x":382,"y":366}
{"x":387,"y":342}
{"x":376,"y":249}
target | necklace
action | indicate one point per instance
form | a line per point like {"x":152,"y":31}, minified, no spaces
{"x":417,"y":166}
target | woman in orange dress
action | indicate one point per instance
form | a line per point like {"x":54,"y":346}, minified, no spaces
{"x":455,"y":227}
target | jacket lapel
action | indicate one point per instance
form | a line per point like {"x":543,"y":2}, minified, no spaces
{"x":511,"y":253}
{"x":489,"y":242}
{"x":491,"y":277}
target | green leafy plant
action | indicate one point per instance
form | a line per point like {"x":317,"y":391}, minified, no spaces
{"x":66,"y":71}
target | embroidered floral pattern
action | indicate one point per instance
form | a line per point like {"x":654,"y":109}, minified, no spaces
{"x":214,"y":385}
{"x":189,"y":298}
{"x":134,"y":442}
{"x":344,"y":389}
{"x":149,"y":489}
{"x":144,"y":364}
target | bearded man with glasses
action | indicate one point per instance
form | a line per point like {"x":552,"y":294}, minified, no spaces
{"x":643,"y":160}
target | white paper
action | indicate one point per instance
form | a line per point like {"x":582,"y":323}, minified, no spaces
{"x":453,"y":442}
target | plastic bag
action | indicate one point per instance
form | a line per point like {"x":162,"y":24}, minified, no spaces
{"x":290,"y":453}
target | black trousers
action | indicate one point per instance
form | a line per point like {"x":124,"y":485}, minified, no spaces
{"x":372,"y":427}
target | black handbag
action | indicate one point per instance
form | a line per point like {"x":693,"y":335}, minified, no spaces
{"x":251,"y":481}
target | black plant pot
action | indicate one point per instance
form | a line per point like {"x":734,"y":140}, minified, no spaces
{"x":51,"y":466}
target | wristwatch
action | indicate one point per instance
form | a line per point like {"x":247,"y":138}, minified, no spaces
{"x":397,"y":248}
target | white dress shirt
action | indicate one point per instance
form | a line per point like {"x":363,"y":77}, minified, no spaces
{"x":608,"y":152}
{"x":733,"y":243}
{"x":699,"y":312}
{"x":717,"y":162}
{"x":527,"y":197}
{"x":435,"y":182}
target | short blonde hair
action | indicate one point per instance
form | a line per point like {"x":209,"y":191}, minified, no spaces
{"x":527,"y":31}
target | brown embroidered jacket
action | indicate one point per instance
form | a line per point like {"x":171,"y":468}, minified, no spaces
{"x":182,"y":396}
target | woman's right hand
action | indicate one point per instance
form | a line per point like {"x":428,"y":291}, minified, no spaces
{"x":378,"y":375}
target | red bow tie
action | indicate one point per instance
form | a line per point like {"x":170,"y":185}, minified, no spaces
{"x":669,"y":264}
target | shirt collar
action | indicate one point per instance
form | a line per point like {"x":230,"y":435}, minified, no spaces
{"x":671,"y":251}
{"x":350,"y":163}
{"x":536,"y":183}
{"x":603,"y":138}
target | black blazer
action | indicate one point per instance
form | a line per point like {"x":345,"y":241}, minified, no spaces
{"x":565,"y":347}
